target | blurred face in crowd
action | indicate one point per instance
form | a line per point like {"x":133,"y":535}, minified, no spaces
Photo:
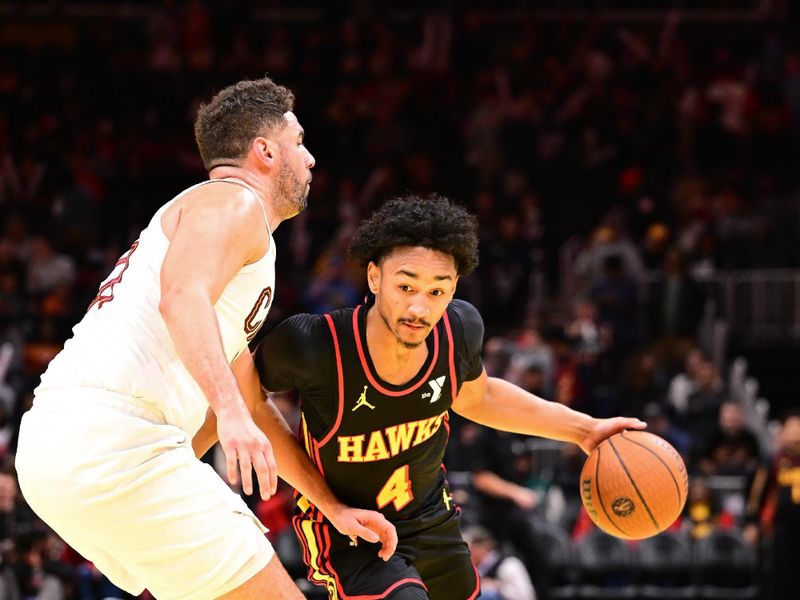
{"x":731,"y":418}
{"x":789,"y":437}
{"x":706,"y":376}
{"x":412,"y":287}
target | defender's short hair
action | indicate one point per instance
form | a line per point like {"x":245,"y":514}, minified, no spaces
{"x":226,"y":126}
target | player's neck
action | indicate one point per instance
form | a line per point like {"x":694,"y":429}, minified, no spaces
{"x":394,"y":362}
{"x":254,"y":183}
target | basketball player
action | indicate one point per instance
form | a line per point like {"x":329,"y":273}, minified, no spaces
{"x":105,"y":454}
{"x":377,"y":383}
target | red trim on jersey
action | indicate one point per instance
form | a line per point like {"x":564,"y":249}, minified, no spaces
{"x":317,"y":458}
{"x":477,"y":585}
{"x":451,"y":357}
{"x":311,"y":447}
{"x":368,"y":372}
{"x":322,"y":536}
{"x":303,"y":542}
{"x":388,"y":591}
{"x":329,"y":567}
{"x":340,"y":373}
{"x":446,"y":423}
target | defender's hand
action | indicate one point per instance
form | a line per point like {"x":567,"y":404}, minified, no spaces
{"x":369,"y":525}
{"x":245,"y":445}
{"x":605,"y":428}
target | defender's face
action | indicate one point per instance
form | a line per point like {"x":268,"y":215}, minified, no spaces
{"x":294,"y":174}
{"x":412,"y":287}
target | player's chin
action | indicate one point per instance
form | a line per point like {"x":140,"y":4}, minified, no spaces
{"x":412,"y":341}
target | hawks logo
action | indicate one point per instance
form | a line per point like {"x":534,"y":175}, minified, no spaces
{"x":258,"y":313}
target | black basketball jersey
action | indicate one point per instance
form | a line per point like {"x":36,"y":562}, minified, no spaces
{"x":380,"y":446}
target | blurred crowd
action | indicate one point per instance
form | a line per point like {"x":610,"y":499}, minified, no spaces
{"x":614,"y":168}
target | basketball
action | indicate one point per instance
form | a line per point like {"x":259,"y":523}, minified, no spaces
{"x":634,"y":485}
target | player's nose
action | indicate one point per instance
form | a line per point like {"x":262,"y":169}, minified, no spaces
{"x":419,"y":310}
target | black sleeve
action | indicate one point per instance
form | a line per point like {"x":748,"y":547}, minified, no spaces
{"x":468,"y":336}
{"x":288,"y":354}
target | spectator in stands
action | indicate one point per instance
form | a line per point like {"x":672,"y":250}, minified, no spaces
{"x":731,"y":448}
{"x":47,"y":269}
{"x":507,"y":504}
{"x":676,"y":300}
{"x":503,"y":576}
{"x":683,"y":384}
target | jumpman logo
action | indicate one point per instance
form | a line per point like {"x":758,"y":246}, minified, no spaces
{"x":362,"y":401}
{"x":448,"y":499}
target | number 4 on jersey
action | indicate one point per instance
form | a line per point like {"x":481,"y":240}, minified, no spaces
{"x":396,"y":490}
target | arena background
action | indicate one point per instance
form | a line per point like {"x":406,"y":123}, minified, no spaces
{"x":633,"y":165}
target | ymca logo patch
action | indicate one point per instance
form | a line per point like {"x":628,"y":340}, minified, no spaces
{"x":436,"y":385}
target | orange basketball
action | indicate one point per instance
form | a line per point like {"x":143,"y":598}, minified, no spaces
{"x":634,"y":485}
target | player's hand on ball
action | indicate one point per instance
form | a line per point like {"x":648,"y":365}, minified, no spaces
{"x":369,"y":525}
{"x":246,"y":448}
{"x":605,"y":428}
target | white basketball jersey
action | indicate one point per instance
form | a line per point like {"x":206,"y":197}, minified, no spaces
{"x":122,"y":344}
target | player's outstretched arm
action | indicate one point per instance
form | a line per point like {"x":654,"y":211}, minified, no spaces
{"x":214,"y":236}
{"x":502,"y":405}
{"x":295,"y":467}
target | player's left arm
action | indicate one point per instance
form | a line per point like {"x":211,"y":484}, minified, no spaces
{"x":502,"y":405}
{"x":496,"y":403}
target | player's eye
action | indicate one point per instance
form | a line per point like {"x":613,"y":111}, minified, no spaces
{"x":405,"y":288}
{"x":438,"y":292}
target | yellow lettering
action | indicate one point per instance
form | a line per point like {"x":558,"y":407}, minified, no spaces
{"x":425,"y":430}
{"x":376,"y":448}
{"x":400,"y":437}
{"x":351,"y":448}
{"x":790,"y":477}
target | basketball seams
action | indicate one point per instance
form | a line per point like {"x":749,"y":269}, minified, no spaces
{"x":600,"y":496}
{"x":633,"y":483}
{"x":661,"y":460}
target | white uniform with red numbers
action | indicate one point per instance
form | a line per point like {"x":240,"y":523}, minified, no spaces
{"x":105,"y":453}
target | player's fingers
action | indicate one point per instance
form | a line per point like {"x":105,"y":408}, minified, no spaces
{"x":273,"y":472}
{"x":385,"y":531}
{"x":365,"y":533}
{"x":230,"y":465}
{"x":388,"y":541}
{"x":246,"y":467}
{"x":262,"y":475}
{"x":264,"y":465}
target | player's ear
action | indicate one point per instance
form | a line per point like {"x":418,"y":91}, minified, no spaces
{"x":373,"y":277}
{"x":266,"y":151}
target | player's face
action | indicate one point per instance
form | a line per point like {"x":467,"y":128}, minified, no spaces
{"x":412,"y":286}
{"x":294,"y":172}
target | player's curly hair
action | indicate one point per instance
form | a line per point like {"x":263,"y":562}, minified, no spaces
{"x":433,"y":222}
{"x":226,"y":126}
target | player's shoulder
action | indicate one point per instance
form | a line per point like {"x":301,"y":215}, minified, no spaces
{"x":467,"y":326}
{"x":303,"y":326}
{"x":222,"y":196}
{"x":465,"y":313}
{"x":295,"y":341}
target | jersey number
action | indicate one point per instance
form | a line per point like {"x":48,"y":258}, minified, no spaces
{"x":106,"y":291}
{"x":396,"y":490}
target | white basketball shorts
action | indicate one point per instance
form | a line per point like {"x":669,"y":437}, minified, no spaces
{"x":125,"y":490}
